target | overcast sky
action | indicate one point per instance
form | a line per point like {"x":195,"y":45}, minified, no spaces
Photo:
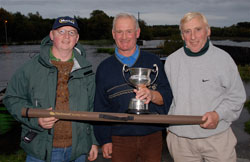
{"x":219,"y":13}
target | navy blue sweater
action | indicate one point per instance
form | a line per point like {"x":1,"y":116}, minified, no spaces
{"x":113,"y":95}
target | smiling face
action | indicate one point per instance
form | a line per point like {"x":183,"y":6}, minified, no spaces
{"x":64,"y":40}
{"x":125,"y":35}
{"x":195,"y":33}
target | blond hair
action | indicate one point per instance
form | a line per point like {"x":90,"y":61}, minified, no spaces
{"x":190,"y":15}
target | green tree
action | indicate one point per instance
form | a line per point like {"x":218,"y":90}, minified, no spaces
{"x":5,"y":21}
{"x":99,"y":26}
{"x":146,"y":34}
{"x":37,"y":26}
{"x":19,"y":23}
{"x":33,"y":27}
{"x":172,"y":43}
{"x":83,"y":25}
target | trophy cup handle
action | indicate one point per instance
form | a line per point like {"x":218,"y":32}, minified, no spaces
{"x":155,"y":70}
{"x":125,"y":69}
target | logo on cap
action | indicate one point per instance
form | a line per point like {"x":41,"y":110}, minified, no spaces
{"x":63,"y":21}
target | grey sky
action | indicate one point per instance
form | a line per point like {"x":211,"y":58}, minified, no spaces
{"x":219,"y":13}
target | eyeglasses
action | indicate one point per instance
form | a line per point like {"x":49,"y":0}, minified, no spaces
{"x":70,"y":32}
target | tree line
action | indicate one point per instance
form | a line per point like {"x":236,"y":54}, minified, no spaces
{"x":16,"y":27}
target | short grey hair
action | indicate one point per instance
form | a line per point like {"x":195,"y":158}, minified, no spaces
{"x":189,"y":16}
{"x":125,"y":15}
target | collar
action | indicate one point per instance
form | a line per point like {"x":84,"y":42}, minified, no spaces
{"x":128,"y":60}
{"x":52,"y":57}
{"x":194,"y":54}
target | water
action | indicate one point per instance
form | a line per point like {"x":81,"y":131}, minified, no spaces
{"x":231,"y":43}
{"x":158,"y":43}
{"x":153,"y":43}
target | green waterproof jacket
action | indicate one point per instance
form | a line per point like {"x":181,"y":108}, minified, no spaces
{"x":34,"y":86}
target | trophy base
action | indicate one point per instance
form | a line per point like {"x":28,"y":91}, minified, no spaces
{"x":138,"y":112}
{"x":137,"y":106}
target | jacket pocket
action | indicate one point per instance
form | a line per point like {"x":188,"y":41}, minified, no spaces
{"x":36,"y":147}
{"x":38,"y":96}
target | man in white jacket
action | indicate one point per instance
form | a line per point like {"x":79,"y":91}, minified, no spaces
{"x":205,"y":81}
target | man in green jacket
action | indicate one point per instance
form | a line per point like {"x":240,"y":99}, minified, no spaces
{"x":58,"y":78}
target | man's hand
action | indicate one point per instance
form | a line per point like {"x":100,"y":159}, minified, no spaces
{"x":93,"y":153}
{"x":143,"y":93}
{"x":149,"y":95}
{"x":107,"y":150}
{"x":47,"y":123}
{"x":211,"y":120}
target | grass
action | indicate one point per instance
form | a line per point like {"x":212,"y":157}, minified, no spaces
{"x":102,"y":42}
{"x":110,"y":51}
{"x":18,"y":156}
{"x":247,"y":127}
{"x":10,"y":151}
{"x":247,"y":124}
{"x":3,"y":108}
{"x":247,"y":105}
{"x":244,"y":72}
{"x":6,"y":121}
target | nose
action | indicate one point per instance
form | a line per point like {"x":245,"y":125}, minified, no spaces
{"x":124,"y":35}
{"x":193,"y":35}
{"x":66,"y":34}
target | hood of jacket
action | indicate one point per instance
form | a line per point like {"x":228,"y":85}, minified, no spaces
{"x":47,"y":43}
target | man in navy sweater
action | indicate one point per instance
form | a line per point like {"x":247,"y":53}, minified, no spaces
{"x":127,"y":142}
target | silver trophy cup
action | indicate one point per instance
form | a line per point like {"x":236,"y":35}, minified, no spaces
{"x":139,"y":78}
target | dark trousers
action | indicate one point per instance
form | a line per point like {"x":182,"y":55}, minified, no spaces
{"x":137,"y":148}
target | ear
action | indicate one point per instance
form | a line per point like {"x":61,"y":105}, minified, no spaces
{"x":113,"y":34}
{"x":77,"y":38}
{"x":182,"y":37}
{"x":208,"y":32}
{"x":51,"y":35}
{"x":138,"y":31}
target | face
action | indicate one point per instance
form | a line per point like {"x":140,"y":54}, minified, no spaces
{"x":64,"y":38}
{"x":125,"y":36}
{"x":195,"y":34}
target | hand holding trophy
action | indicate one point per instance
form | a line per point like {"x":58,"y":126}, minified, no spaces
{"x":139,"y":78}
